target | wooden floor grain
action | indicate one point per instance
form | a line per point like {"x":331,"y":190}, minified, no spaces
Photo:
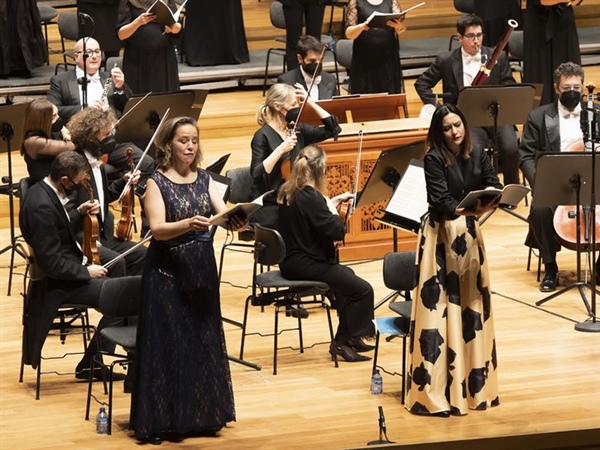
{"x":548,"y":372}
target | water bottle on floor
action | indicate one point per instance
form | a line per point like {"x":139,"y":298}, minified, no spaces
{"x":102,"y":421}
{"x":376,"y":383}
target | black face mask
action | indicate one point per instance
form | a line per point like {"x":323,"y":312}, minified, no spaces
{"x":57,"y":126}
{"x":69,"y":190}
{"x":311,"y":68}
{"x":570,"y":99}
{"x":103,"y":147}
{"x":292,"y":115}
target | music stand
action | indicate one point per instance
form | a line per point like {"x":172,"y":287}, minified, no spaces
{"x":218,"y":165}
{"x":493,"y":106}
{"x":565,"y":179}
{"x":143,"y":120}
{"x":388,"y":171}
{"x":12,"y":118}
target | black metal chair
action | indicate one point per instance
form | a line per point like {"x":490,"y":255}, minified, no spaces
{"x":271,"y":287}
{"x":47,"y":16}
{"x":121,"y":298}
{"x":68,"y":29}
{"x":400,"y":275}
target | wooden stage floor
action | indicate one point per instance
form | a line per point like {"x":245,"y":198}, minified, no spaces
{"x":549,"y":373}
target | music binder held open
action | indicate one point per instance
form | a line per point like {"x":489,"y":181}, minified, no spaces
{"x":409,"y":200}
{"x":164,"y":15}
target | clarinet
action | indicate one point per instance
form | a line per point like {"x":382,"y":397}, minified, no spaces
{"x":107,"y":85}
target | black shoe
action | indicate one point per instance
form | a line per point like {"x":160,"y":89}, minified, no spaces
{"x":359,"y":346}
{"x":549,"y":282}
{"x":84,"y":374}
{"x":295,"y":311}
{"x":347,"y":352}
{"x":154,"y":440}
{"x":507,"y":206}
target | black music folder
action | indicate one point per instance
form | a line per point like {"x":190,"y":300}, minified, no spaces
{"x":164,"y":15}
{"x":409,"y":200}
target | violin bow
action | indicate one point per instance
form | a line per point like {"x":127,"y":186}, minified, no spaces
{"x":310,"y":86}
{"x":162,"y":121}
{"x":116,"y":259}
{"x":118,"y":122}
{"x":357,"y":169}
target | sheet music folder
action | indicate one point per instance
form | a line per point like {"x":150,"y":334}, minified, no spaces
{"x":409,"y":200}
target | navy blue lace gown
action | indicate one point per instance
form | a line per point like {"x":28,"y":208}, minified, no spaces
{"x":183,"y":382}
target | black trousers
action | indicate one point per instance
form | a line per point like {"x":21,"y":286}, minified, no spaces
{"x":507,"y":153}
{"x":297,"y":13}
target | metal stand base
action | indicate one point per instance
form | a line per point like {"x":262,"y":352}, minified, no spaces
{"x":589,"y":327}
{"x":580,"y":285}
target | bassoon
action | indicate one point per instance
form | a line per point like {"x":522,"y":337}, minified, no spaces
{"x":484,"y":71}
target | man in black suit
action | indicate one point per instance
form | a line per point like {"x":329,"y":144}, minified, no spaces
{"x":552,"y":128}
{"x":457,"y":69}
{"x":66,"y":276}
{"x":308,"y":53}
{"x":89,"y":128}
{"x":66,"y":93}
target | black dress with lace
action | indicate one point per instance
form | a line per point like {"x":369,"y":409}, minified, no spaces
{"x":375,"y":55}
{"x":183,"y":382}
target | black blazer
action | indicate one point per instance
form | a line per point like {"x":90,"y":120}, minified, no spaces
{"x":64,"y":93}
{"x":448,"y":68}
{"x":327,"y":86}
{"x":541,"y":132}
{"x":47,"y":230}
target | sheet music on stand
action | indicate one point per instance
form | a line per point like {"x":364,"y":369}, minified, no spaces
{"x":409,"y":200}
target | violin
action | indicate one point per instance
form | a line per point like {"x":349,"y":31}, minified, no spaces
{"x":286,"y":164}
{"x":125,"y":223}
{"x":345,"y":209}
{"x":565,"y":216}
{"x":91,"y":228}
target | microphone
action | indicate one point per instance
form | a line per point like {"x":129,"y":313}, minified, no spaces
{"x":382,"y":420}
{"x":84,"y":18}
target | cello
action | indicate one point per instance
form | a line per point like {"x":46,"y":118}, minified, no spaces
{"x":566,"y":220}
{"x":125,"y":223}
{"x":91,"y":228}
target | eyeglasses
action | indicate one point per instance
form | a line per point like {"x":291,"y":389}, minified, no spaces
{"x":72,"y":182}
{"x":473,"y":36}
{"x":571,"y":87}
{"x":91,"y":52}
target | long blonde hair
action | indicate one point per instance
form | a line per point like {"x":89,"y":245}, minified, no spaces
{"x":309,"y":167}
{"x":278,"y":93}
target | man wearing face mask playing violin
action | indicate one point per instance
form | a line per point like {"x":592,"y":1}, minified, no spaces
{"x":104,"y":91}
{"x":88,"y":129}
{"x":308,"y":52}
{"x":555,"y":127}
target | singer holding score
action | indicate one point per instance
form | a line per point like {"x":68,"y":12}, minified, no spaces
{"x":149,"y":60}
{"x":452,"y":363}
{"x":457,"y":69}
{"x":375,"y":51}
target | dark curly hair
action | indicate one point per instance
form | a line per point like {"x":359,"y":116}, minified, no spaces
{"x":87,"y":124}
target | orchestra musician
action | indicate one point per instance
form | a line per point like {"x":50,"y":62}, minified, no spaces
{"x":181,"y":357}
{"x":308,"y":53}
{"x":45,"y":136}
{"x":281,"y":137}
{"x":554,"y":127}
{"x":273,"y":142}
{"x":457,"y":69}
{"x":452,"y":362}
{"x":89,"y":128}
{"x":68,"y":278}
{"x":104,"y":91}
{"x":310,"y":225}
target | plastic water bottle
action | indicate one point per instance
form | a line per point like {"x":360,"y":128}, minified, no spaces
{"x":102,"y":421}
{"x":376,"y":383}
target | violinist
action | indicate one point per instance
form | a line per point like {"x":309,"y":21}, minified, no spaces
{"x":273,"y":142}
{"x":88,"y":128}
{"x":310,"y":226}
{"x":457,"y":69}
{"x":554,"y":127}
{"x":67,"y":276}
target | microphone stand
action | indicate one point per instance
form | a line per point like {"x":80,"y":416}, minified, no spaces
{"x":590,"y":128}
{"x":382,"y":431}
{"x":83,"y":81}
